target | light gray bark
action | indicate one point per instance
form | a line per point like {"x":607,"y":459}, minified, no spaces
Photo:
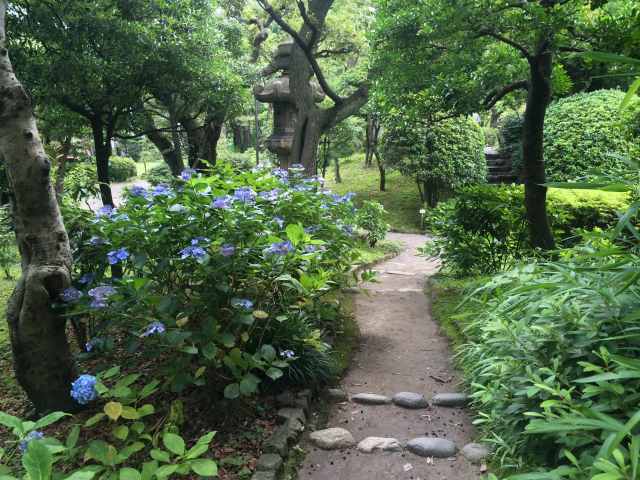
{"x":42,"y":359}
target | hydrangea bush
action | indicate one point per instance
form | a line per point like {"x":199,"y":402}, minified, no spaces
{"x":219,"y":277}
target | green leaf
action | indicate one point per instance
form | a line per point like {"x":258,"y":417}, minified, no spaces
{"x":268,"y":353}
{"x":11,"y":422}
{"x":121,"y":432}
{"x":102,"y":452}
{"x":204,"y":467}
{"x":274,"y":373}
{"x":160,"y":455}
{"x":149,"y":389}
{"x":209,"y":351}
{"x":174,"y":443}
{"x":72,"y":438}
{"x":232,"y":391}
{"x":112,"y":372}
{"x":201,"y":446}
{"x":146,"y":410}
{"x":37,"y":461}
{"x":94,"y":420}
{"x":295,"y":233}
{"x":49,"y":419}
{"x":249,"y":384}
{"x":610,"y":58}
{"x":633,"y":89}
{"x":129,"y":474}
{"x":166,"y":470}
{"x":82,"y":475}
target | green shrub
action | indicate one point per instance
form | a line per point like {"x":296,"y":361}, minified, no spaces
{"x":441,"y":158}
{"x":159,"y":174}
{"x":553,"y":364}
{"x":371,"y":219}
{"x":222,"y":277}
{"x":240,"y":160}
{"x":586,"y":131}
{"x":483,"y":230}
{"x":122,"y":169}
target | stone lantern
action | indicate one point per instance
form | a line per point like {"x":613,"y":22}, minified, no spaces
{"x":278,"y":93}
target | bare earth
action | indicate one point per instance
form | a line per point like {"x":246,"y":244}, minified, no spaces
{"x":401,"y":350}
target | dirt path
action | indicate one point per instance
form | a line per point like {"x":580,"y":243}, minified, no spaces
{"x":401,"y":351}
{"x":117,"y":191}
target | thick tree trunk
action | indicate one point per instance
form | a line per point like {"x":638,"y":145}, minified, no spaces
{"x":533,"y":175}
{"x":337,"y":165}
{"x":102,"y":147}
{"x":170,"y":153}
{"x":42,"y":359}
{"x":212,"y":133}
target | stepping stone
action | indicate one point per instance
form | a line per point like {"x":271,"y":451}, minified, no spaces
{"x":337,"y":395}
{"x":410,"y":400}
{"x":291,"y":414}
{"x":269,"y":462}
{"x":371,"y":399}
{"x":371,"y":444}
{"x":450,"y":399}
{"x":332,"y":439}
{"x":432,"y":447}
{"x":475,"y":452}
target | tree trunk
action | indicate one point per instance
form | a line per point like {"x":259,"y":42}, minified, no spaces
{"x":175,"y":136}
{"x":212,"y":133}
{"x":42,"y":359}
{"x":337,"y":164}
{"x":102,"y":147}
{"x":382,"y":170}
{"x":170,"y":153}
{"x":533,"y":174}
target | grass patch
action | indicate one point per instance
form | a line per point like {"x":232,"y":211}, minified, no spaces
{"x":401,"y":200}
{"x":375,"y":254}
{"x":447,"y":296}
{"x":143,"y":168}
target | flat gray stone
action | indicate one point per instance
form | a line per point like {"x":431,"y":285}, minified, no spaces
{"x":450,"y":399}
{"x":264,"y":475}
{"x":475,"y":452}
{"x":432,"y":447}
{"x":337,"y":395}
{"x":370,"y":399}
{"x":410,"y":400}
{"x":332,"y":439}
{"x":269,"y":462}
{"x":278,"y":442}
{"x":371,"y":444}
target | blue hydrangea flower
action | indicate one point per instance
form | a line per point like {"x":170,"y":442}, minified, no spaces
{"x":117,"y":256}
{"x":312,"y":229}
{"x":187,"y":173}
{"x":244,"y":194}
{"x":223,"y":202}
{"x":193,"y":252}
{"x":348,"y":229}
{"x":138,"y":191}
{"x":106,"y":211}
{"x":270,"y":195}
{"x":161,"y":190}
{"x":87,"y":278}
{"x":288,"y":354}
{"x":279,"y":221}
{"x":35,"y":435}
{"x":83,"y":390}
{"x":296,"y":166}
{"x":70,"y":295}
{"x":200,"y":241}
{"x":241,"y":303}
{"x":310,"y":248}
{"x":281,"y":174}
{"x":154,"y":328}
{"x":303,"y":188}
{"x":280,"y":248}
{"x":100,"y":295}
{"x":227,"y":250}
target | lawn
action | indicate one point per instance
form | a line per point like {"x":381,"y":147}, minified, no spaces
{"x":401,"y":199}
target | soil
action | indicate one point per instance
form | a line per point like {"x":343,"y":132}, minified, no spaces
{"x":401,"y":349}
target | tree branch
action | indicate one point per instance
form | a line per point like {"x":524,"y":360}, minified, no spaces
{"x":336,"y":51}
{"x":496,"y":95}
{"x":307,"y":50}
{"x":489,"y":33}
{"x":348,"y":107}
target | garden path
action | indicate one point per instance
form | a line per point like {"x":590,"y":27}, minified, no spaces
{"x":117,"y":191}
{"x":401,"y":350}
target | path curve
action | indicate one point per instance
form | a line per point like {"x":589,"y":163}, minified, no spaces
{"x":401,"y":349}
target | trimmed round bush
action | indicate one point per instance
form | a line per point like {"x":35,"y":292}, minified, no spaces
{"x":122,"y":169}
{"x":442,"y":158}
{"x":159,"y":174}
{"x":587,"y":131}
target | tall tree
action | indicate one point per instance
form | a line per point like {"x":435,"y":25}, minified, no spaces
{"x":42,"y":359}
{"x":475,"y":52}
{"x":312,"y":120}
